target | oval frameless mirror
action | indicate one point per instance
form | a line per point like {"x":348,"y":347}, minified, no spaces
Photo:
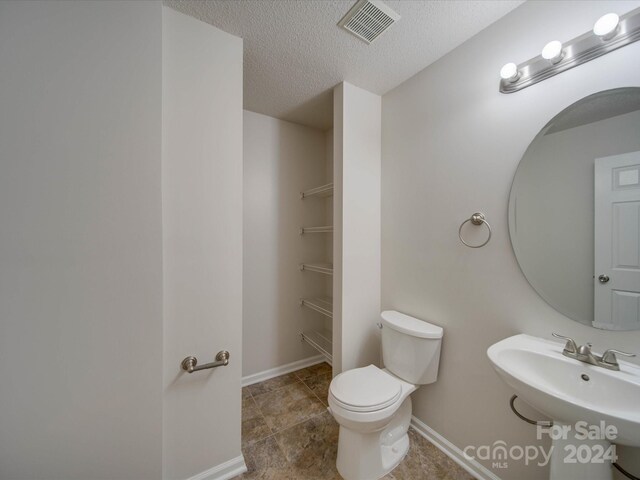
{"x":574,"y":211}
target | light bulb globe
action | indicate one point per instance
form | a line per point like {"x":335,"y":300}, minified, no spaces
{"x":509,"y":72}
{"x":606,"y":25}
{"x":552,"y":51}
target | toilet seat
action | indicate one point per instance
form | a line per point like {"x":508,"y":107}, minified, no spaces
{"x":366,"y":389}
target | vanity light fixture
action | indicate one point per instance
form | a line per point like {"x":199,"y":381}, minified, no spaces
{"x":609,"y":33}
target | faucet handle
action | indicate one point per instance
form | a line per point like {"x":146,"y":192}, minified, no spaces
{"x":609,"y":356}
{"x":570,"y":346}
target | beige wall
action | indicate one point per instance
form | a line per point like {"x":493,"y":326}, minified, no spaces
{"x":89,"y":224}
{"x":80,"y":240}
{"x":356,"y":288}
{"x":202,"y":242}
{"x":281,"y":159}
{"x":451,"y":144}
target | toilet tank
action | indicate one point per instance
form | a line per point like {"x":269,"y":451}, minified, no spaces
{"x":410,"y":347}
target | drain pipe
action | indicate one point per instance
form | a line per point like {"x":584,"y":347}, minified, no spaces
{"x":546,"y":423}
{"x":624,"y":472}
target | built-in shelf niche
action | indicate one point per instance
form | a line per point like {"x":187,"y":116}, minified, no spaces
{"x":319,"y":338}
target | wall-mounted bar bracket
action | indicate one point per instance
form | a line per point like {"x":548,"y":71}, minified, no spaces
{"x":189,"y":363}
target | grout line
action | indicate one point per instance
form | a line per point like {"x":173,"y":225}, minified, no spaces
{"x":275,"y":435}
{"x":249,"y":445}
{"x":326,"y":401}
{"x":263,"y":419}
{"x":307,"y":368}
{"x":309,"y":417}
{"x":275,"y":389}
{"x":274,"y":432}
{"x":298,"y":379}
{"x":315,"y":395}
{"x":300,"y":422}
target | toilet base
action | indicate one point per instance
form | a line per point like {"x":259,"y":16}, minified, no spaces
{"x":370,"y":456}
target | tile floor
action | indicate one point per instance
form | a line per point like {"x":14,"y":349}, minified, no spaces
{"x":288,"y":434}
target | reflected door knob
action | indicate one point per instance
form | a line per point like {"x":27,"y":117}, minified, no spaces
{"x":603,"y":278}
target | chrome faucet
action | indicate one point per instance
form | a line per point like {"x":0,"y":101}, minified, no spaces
{"x":584,"y":354}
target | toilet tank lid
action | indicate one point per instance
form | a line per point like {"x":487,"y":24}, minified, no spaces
{"x":410,"y":325}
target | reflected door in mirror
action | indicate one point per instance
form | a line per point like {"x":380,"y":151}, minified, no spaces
{"x":617,"y":242}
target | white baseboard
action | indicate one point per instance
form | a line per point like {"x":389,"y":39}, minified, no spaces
{"x":449,"y":449}
{"x":224,"y":471}
{"x":281,"y":370}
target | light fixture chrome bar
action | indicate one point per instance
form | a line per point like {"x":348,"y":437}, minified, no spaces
{"x":580,"y":50}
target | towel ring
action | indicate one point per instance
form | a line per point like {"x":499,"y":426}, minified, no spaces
{"x":476,"y":219}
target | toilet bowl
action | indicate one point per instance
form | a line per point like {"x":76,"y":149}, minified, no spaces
{"x":373,"y":421}
{"x":373,"y":405}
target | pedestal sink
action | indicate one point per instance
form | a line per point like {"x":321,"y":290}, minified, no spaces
{"x":569,"y":391}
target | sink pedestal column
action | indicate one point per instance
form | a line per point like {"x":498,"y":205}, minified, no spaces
{"x":578,"y":459}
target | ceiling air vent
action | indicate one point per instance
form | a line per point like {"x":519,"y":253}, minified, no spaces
{"x":368,"y":19}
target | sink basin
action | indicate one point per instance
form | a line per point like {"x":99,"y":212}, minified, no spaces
{"x":568,"y":390}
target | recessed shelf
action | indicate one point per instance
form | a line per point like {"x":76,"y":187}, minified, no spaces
{"x":322,"y":191}
{"x":321,"y":340}
{"x":325,"y":229}
{"x":323,"y":305}
{"x":326,"y":268}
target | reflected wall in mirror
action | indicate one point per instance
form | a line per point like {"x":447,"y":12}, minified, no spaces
{"x":574,"y":211}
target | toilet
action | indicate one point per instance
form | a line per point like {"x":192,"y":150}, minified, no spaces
{"x":373,"y":406}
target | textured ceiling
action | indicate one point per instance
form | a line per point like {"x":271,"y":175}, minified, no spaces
{"x":294,"y":53}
